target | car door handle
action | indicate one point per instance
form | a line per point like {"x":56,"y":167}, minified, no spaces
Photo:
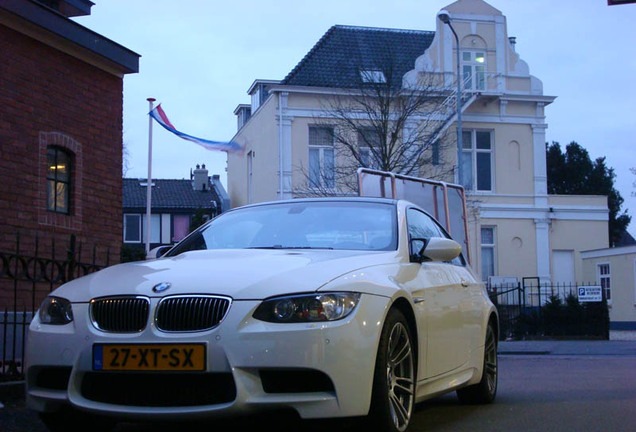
{"x":465,"y":283}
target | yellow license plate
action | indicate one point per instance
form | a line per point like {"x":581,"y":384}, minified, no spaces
{"x":149,"y":357}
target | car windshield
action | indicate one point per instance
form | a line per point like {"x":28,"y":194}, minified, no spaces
{"x":299,"y":225}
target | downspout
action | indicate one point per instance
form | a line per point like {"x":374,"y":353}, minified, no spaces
{"x":280,"y":146}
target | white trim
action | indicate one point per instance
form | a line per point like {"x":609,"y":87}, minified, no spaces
{"x":531,"y":213}
{"x":492,"y":246}
{"x":518,"y":96}
{"x":261,"y":81}
{"x":476,"y":118}
{"x":608,"y":252}
{"x":607,"y":276}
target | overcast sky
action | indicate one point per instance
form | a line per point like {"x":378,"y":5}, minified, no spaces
{"x":199,"y":57}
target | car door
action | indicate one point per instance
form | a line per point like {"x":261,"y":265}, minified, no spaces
{"x":438,"y":295}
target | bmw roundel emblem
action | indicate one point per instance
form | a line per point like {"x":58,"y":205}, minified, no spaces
{"x":161,"y":287}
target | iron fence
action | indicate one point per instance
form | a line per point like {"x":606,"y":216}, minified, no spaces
{"x":30,"y":269}
{"x":530,"y":309}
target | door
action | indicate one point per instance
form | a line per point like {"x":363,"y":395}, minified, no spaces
{"x":563,"y":267}
{"x":437,"y":293}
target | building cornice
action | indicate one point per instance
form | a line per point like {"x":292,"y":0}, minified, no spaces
{"x":608,"y":252}
{"x":54,"y":29}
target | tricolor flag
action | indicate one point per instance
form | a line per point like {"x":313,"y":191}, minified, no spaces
{"x":160,"y":116}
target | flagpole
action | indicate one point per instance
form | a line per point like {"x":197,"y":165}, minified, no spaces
{"x":149,"y":187}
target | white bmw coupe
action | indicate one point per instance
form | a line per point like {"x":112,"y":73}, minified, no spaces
{"x":331,"y":307}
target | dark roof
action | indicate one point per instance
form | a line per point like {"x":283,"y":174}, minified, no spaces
{"x":625,"y":239}
{"x":338,"y":57}
{"x":58,"y":25}
{"x":167,"y":194}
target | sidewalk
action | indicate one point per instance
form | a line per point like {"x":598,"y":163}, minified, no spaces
{"x":610,"y":348}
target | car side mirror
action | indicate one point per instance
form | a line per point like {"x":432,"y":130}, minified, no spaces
{"x":441,"y":249}
{"x":157,"y":252}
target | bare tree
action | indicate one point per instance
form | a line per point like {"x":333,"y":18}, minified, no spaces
{"x":125,"y":162}
{"x":381,"y":124}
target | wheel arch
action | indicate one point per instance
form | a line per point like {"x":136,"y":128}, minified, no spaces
{"x":494,"y":319}
{"x":403,"y":305}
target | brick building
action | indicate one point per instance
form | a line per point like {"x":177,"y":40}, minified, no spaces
{"x":61,"y":102}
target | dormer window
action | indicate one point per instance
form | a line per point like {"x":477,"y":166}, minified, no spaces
{"x":474,"y":70}
{"x":372,"y":76}
{"x":259,"y":95}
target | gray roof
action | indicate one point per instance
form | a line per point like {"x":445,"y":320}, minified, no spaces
{"x":167,"y":194}
{"x":338,"y":57}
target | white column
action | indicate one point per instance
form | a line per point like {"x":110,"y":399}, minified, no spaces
{"x":540,"y":169}
{"x":542,"y":233}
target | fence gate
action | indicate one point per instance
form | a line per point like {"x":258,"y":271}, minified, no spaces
{"x":510,"y":300}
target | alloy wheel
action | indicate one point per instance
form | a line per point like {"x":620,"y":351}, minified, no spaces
{"x":400,"y":376}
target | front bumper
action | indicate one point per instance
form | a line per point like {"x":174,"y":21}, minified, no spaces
{"x":241,"y":349}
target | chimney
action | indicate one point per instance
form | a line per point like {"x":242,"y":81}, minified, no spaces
{"x":513,"y":42}
{"x":200,"y":180}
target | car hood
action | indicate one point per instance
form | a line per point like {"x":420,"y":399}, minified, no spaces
{"x":241,"y":274}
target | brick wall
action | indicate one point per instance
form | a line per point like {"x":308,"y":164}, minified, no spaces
{"x":50,"y":98}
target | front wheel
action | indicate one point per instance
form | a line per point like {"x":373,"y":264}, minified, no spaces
{"x":394,"y":377}
{"x":485,"y":391}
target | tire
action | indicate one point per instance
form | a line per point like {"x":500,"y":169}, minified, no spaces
{"x":70,"y":420}
{"x":485,"y":391}
{"x":393,"y":394}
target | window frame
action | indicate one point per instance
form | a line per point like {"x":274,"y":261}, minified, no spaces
{"x":491,"y":246}
{"x":57,"y":181}
{"x":365,"y":151}
{"x":607,"y":289}
{"x":322,"y":181}
{"x":154,"y":217}
{"x":475,"y":75}
{"x":473,"y":151}
{"x":139,"y":228}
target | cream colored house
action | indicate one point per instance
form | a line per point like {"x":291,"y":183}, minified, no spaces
{"x":614,"y":269}
{"x":516,"y":228}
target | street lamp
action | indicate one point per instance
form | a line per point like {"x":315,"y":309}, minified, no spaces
{"x":444,"y":16}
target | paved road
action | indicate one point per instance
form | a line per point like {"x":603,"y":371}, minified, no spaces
{"x":554,"y":393}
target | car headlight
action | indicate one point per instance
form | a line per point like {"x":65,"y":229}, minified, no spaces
{"x":307,"y":307}
{"x":55,"y":310}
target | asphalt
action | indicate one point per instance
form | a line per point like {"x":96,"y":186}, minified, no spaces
{"x":13,"y":391}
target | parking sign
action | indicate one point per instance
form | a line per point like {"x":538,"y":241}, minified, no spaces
{"x":590,"y":293}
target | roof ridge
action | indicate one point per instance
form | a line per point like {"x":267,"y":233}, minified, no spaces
{"x":395,"y":30}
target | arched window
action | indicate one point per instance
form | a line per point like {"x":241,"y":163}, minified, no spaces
{"x":58,"y":179}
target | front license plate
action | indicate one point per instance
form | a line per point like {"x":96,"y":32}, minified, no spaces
{"x":149,"y":357}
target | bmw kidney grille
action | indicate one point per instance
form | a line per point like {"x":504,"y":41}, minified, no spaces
{"x":191,"y":313}
{"x":120,"y":314}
